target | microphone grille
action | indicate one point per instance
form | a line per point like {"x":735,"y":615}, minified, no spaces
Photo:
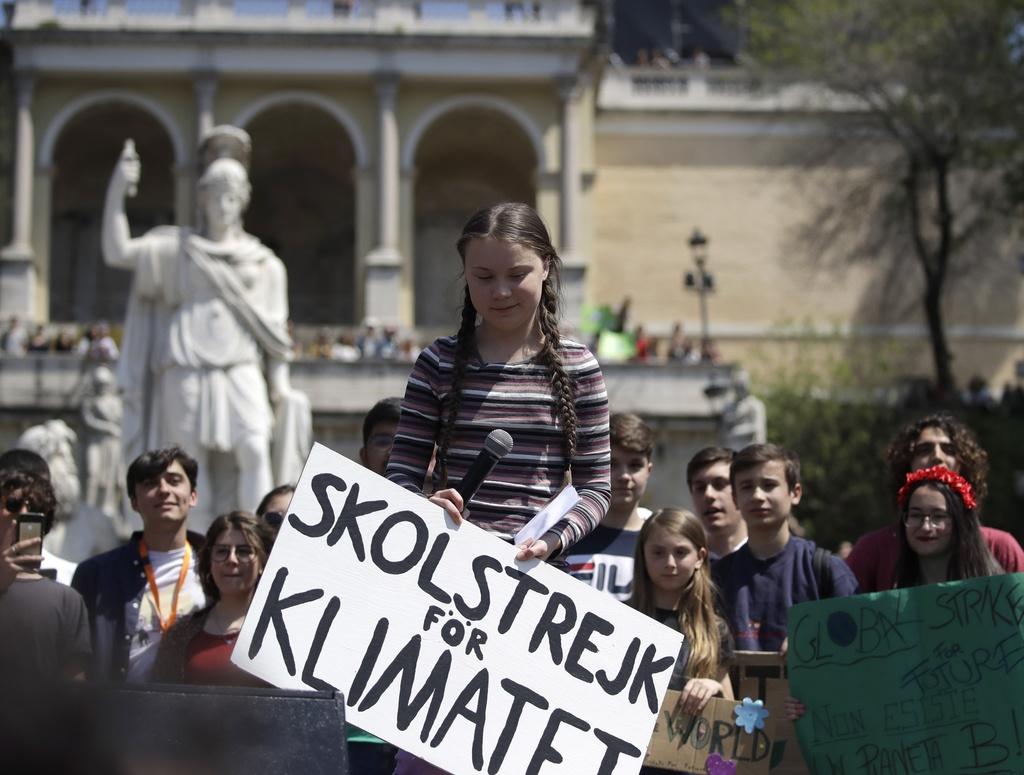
{"x":498,"y":443}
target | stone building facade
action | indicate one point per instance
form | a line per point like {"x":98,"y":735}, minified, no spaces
{"x":378,"y":125}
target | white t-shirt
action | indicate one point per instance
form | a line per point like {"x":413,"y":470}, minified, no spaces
{"x":166,"y":569}
{"x":715,"y":557}
{"x":65,"y":568}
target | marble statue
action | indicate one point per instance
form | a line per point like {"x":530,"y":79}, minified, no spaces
{"x":104,"y":467}
{"x":744,"y":419}
{"x":204,"y":361}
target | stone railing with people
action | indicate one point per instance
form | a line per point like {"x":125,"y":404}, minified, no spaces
{"x":538,"y":18}
{"x":47,"y":383}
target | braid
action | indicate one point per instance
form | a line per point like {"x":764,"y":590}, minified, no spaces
{"x":565,"y":398}
{"x":464,"y":343}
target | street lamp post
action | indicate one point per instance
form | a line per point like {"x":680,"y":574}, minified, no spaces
{"x":702,"y":282}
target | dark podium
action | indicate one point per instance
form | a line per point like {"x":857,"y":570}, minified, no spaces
{"x":158,"y":729}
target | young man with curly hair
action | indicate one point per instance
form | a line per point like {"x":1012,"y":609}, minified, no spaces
{"x":937,"y":439}
{"x":44,"y":625}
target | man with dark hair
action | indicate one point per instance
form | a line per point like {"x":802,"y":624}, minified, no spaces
{"x":29,"y":462}
{"x":45,"y":630}
{"x":134,"y":593}
{"x":379,"y":428}
{"x":707,"y":479}
{"x":774,"y":570}
{"x":25,"y":460}
{"x":604,"y":558}
{"x":936,"y":439}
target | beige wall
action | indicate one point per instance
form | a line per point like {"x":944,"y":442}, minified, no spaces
{"x":749,"y":195}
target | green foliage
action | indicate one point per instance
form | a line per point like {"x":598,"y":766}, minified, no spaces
{"x":941,"y":84}
{"x":838,"y":404}
{"x":841,"y":437}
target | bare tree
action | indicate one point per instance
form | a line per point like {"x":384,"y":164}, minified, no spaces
{"x":939,"y":81}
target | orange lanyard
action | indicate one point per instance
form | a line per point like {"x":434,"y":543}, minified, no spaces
{"x":165,"y":625}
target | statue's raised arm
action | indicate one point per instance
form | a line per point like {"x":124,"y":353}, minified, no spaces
{"x":119,"y":249}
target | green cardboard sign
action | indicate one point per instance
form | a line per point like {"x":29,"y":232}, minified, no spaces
{"x":929,"y":679}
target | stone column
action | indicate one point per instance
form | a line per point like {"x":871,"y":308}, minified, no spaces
{"x":17,"y":271}
{"x":205,"y":84}
{"x":407,"y":244}
{"x":384,"y":262}
{"x":573,"y":265}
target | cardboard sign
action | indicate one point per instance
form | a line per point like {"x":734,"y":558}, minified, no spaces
{"x":442,"y":642}
{"x":685,"y":743}
{"x":929,"y":679}
{"x":762,"y":674}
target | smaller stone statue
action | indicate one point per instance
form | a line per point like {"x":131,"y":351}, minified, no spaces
{"x":104,"y":468}
{"x":744,"y":419}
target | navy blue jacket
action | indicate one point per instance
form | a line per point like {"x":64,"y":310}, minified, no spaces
{"x":112,"y":585}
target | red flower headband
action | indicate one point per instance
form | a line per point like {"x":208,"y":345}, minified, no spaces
{"x":938,"y":474}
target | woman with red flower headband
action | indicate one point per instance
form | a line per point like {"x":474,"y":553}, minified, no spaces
{"x":940,"y":537}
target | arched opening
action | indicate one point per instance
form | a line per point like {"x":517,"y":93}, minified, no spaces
{"x":303,"y":207}
{"x":470,"y":157}
{"x":82,"y":287}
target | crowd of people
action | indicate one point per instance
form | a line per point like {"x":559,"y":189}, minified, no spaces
{"x":168,"y":605}
{"x":95,"y":342}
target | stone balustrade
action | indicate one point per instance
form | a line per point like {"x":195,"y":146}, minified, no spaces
{"x":55,"y":383}
{"x":36,"y":388}
{"x":449,"y":17}
{"x":712,"y":88}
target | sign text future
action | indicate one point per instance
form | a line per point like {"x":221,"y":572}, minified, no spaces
{"x":929,"y":679}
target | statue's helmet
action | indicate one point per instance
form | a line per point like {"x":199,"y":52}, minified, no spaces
{"x":226,"y":174}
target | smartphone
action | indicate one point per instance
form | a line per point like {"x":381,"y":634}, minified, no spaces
{"x":30,"y":525}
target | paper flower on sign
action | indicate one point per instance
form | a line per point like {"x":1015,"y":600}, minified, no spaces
{"x":751,"y":715}
{"x":716,"y":765}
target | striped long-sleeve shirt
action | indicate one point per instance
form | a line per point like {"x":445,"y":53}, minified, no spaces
{"x":518,"y":398}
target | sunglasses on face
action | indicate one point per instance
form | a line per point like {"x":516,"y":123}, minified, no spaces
{"x":274,"y":519}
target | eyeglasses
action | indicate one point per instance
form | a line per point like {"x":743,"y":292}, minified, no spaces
{"x":243,"y":553}
{"x":938,"y":521}
{"x":13,"y":504}
{"x":925,"y":447}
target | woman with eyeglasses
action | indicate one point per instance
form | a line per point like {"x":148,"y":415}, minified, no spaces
{"x":941,"y":537}
{"x":197,"y":649}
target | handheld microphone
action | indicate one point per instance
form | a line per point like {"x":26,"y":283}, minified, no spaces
{"x":497,"y":445}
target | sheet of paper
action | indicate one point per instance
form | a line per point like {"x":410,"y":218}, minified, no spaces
{"x":557,"y":508}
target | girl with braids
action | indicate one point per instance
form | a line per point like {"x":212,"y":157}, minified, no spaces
{"x":508,"y":367}
{"x":672,"y":583}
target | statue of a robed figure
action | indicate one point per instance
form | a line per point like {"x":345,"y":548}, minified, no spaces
{"x":204,"y":362}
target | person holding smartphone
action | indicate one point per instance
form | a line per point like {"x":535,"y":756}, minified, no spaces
{"x":44,"y":624}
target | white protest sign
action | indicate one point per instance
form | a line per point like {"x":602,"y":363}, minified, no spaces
{"x":443,"y":643}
